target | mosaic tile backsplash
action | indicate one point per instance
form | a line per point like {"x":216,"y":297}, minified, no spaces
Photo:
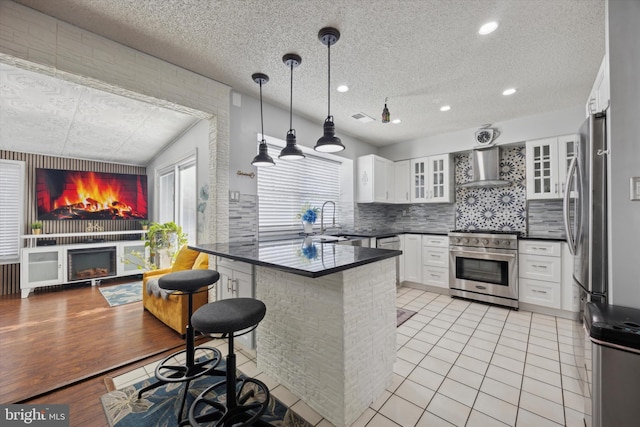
{"x":493,"y":208}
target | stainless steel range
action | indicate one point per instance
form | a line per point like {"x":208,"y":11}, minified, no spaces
{"x":483,"y":265}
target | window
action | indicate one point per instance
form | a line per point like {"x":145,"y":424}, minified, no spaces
{"x":285,"y":188}
{"x":11,"y":210}
{"x":177,"y":196}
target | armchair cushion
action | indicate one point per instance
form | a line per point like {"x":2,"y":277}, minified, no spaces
{"x":185,"y":259}
{"x":202,"y":262}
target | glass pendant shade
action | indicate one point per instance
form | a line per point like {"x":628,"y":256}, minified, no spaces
{"x":386,"y":116}
{"x":329,"y":142}
{"x":291,"y":151}
{"x":263,"y":158}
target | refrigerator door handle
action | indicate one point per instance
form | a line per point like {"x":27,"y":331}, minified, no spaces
{"x":571,"y":240}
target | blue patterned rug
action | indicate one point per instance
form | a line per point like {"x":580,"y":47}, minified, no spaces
{"x":122,"y":294}
{"x":159,"y":407}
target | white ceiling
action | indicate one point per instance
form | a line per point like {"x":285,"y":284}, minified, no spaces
{"x":421,"y":54}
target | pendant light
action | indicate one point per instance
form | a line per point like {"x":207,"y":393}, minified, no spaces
{"x":386,"y":115}
{"x":263,"y":158}
{"x":291,"y":151}
{"x":329,"y":142}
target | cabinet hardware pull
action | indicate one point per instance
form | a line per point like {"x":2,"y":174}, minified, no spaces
{"x":535,"y":248}
{"x":539,"y":266}
{"x":538,"y":292}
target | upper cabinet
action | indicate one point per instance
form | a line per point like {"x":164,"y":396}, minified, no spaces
{"x":548,"y":161}
{"x":376,"y":178}
{"x":402,"y":191}
{"x":432,"y":179}
{"x":599,"y":96}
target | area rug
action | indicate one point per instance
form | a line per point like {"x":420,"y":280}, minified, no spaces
{"x":122,"y":294}
{"x":159,"y":407}
{"x":402,"y":315}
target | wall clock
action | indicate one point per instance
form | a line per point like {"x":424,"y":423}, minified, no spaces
{"x":485,"y":136}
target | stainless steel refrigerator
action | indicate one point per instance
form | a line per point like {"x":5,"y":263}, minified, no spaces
{"x":585,"y":212}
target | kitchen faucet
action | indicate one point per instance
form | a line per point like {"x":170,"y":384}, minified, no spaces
{"x":322,"y":229}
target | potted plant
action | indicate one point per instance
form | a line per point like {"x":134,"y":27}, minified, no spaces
{"x":308,"y":216}
{"x":144,"y":224}
{"x":36,"y":227}
{"x":164,"y":241}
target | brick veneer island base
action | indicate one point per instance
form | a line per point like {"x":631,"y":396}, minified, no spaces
{"x":329,"y":334}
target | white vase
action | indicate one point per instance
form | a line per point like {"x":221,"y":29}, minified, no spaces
{"x":308,"y":227}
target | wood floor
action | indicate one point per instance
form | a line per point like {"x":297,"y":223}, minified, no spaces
{"x":58,"y":347}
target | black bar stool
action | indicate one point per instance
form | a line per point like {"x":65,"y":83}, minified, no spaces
{"x":199,"y":360}
{"x":230,"y":318}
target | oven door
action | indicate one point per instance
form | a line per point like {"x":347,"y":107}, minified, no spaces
{"x":485,"y":271}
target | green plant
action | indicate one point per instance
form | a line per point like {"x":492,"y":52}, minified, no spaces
{"x":36,"y":225}
{"x":161,"y":239}
{"x":144,"y":222}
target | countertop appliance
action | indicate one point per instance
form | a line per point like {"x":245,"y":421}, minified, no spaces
{"x":586,"y":230}
{"x":483,"y":265}
{"x":614,"y":333}
{"x":391,"y":242}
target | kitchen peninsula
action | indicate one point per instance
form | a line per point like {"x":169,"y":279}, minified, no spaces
{"x":329,"y":334}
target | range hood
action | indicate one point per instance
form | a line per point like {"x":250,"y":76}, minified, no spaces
{"x":485,"y":167}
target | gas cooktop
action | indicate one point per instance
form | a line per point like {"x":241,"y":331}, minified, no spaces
{"x":517,"y":233}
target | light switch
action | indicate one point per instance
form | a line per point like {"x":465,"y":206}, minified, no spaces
{"x":635,"y":188}
{"x":234,"y":196}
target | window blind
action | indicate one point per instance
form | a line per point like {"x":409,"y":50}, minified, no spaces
{"x":285,"y":188}
{"x":11,"y":208}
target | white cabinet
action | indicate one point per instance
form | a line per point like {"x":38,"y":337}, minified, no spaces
{"x":376,"y":176}
{"x":600,"y":92}
{"x":402,"y":192}
{"x":130,"y":256}
{"x":540,"y":273}
{"x":432,"y":179}
{"x":435,"y":261}
{"x":547,"y":162}
{"x":401,"y":260}
{"x":236,"y":281}
{"x":43,"y":266}
{"x":413,"y":258}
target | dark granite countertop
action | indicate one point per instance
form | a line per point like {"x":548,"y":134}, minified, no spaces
{"x":381,"y":233}
{"x":543,"y":237}
{"x":298,"y":256}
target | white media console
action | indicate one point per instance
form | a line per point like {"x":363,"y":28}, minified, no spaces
{"x":50,"y":265}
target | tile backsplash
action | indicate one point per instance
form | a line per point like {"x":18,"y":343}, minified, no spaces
{"x":493,"y":208}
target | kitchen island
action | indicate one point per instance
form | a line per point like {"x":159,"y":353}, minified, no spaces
{"x":329,"y":334}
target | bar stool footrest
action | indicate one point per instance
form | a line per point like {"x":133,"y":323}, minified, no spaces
{"x":208,"y":407}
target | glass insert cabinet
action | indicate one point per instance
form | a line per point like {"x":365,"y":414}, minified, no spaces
{"x":432,"y":179}
{"x":547,"y":161}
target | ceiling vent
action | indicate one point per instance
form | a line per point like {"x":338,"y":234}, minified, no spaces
{"x":363,"y":118}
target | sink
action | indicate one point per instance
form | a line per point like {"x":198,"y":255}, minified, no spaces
{"x":328,"y":238}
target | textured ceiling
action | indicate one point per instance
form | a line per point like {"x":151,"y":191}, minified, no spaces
{"x":421,"y":54}
{"x":46,"y":115}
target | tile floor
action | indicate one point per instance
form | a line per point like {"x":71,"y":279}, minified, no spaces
{"x":461,"y":363}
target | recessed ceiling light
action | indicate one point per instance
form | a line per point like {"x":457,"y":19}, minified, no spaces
{"x":343,"y":88}
{"x":488,"y":28}
{"x":396,"y":121}
{"x":509,"y":91}
{"x":445,"y":108}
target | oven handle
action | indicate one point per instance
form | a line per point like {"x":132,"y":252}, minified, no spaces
{"x":497,"y":256}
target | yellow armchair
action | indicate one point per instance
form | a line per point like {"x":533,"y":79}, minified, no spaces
{"x":173,"y":310}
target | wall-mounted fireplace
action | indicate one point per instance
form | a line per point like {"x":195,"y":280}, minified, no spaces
{"x":91,"y":263}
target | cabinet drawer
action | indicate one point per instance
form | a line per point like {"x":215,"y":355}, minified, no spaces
{"x":439,"y":241}
{"x":540,"y":268}
{"x":539,"y":247}
{"x":539,"y":292}
{"x":436,"y":257}
{"x":234,"y":265}
{"x":435,"y":276}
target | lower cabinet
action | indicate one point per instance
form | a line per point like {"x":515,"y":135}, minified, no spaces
{"x":236,"y":281}
{"x":413,"y":258}
{"x":435,"y":261}
{"x":544,"y":271}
